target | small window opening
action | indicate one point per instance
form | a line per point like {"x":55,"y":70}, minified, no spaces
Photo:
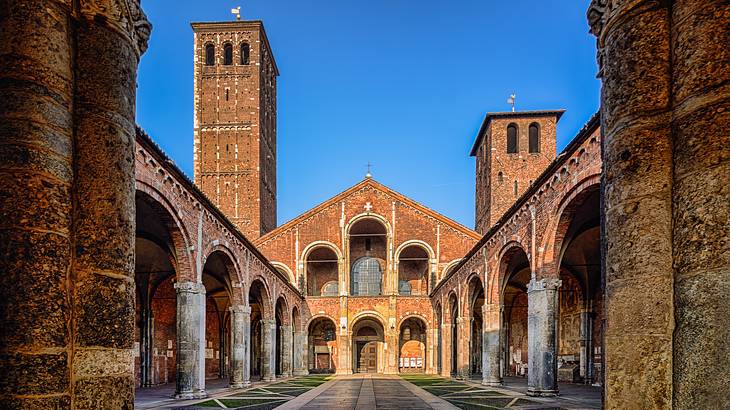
{"x":245,"y":53}
{"x":209,"y":54}
{"x":500,"y":177}
{"x":227,"y":54}
{"x":515,"y":188}
{"x":512,"y":145}
{"x":226,"y":94}
{"x":534,"y":138}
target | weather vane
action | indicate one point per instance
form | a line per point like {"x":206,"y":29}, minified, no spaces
{"x":511,"y":101}
{"x":237,"y":12}
{"x":369,"y":175}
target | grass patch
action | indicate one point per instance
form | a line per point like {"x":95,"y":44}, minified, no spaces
{"x":233,"y":403}
{"x":209,"y":403}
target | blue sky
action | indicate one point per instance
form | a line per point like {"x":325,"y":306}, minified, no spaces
{"x":403,"y":84}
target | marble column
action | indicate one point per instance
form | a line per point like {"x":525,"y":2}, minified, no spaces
{"x":190,"y":380}
{"x":286,"y":350}
{"x":238,"y":344}
{"x":246,"y":323}
{"x":268,"y":350}
{"x":491,"y":351}
{"x":300,"y":355}
{"x":542,"y":309}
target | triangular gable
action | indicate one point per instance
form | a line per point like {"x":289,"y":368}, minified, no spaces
{"x":378,"y":186}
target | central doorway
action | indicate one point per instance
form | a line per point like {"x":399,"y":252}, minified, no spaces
{"x":367,"y":340}
{"x":367,"y":361}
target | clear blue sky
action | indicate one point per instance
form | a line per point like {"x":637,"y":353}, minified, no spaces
{"x":403,"y":84}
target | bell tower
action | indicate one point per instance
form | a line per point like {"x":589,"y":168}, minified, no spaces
{"x":512,"y":150}
{"x":234,"y":153}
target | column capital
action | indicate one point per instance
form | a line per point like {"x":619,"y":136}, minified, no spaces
{"x":543,"y":284}
{"x":240,"y":309}
{"x":123,"y":16}
{"x":189,"y":287}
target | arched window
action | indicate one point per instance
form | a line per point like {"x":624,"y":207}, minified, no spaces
{"x":512,"y":145}
{"x":330,"y":289}
{"x":534,"y":140}
{"x":367,"y":276}
{"x":245,"y":53}
{"x":227,"y":54}
{"x":209,"y":54}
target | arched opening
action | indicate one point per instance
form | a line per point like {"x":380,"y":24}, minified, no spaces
{"x":217,"y":273}
{"x":367,"y":344}
{"x":245,"y":54}
{"x":257,"y":299}
{"x":413,"y":264}
{"x":476,"y":301}
{"x":322,"y":272}
{"x":517,"y":275}
{"x":322,"y":344}
{"x":581,"y":307}
{"x":453,"y":318}
{"x":534,"y":138}
{"x":209,"y":54}
{"x":412,"y":346}
{"x":512,"y":139}
{"x":155,"y":270}
{"x":282,"y":340}
{"x":227,"y":54}
{"x":368,"y":242}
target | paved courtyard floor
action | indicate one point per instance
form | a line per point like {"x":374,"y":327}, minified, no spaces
{"x":374,"y":391}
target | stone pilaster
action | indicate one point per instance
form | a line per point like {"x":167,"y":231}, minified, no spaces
{"x":190,"y":379}
{"x":542,"y":309}
{"x":300,"y":354}
{"x":491,"y":375}
{"x":286,"y":350}
{"x":239,"y":315}
{"x":268,"y":350}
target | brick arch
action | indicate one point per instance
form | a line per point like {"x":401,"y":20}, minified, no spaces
{"x":319,"y":316}
{"x":369,"y":314}
{"x":285,"y":268}
{"x":415,"y":242}
{"x":267,"y":308}
{"x":369,"y":215}
{"x":448,"y":267}
{"x":417,"y":315}
{"x":286,"y":319}
{"x":449,"y":295}
{"x":234,"y":275}
{"x":316,"y":244}
{"x":185,"y":268}
{"x":558,"y":226}
{"x":505,"y":251}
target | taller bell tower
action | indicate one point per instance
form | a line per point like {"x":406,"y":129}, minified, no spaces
{"x":234,"y":133}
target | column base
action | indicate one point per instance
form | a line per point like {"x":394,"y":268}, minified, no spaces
{"x":344,"y":371}
{"x":542,"y":393}
{"x":492,"y":383}
{"x":237,"y":385}
{"x":191,"y":395}
{"x":269,"y":378}
{"x":246,"y":384}
{"x":303,"y":372}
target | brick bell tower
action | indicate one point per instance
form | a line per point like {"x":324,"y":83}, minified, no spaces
{"x":512,"y":150}
{"x":234,"y":133}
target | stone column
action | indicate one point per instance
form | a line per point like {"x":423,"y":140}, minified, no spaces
{"x":67,"y":225}
{"x":190,"y":380}
{"x":542,"y":308}
{"x":463,"y":369}
{"x":146,"y":337}
{"x":491,"y":375}
{"x":300,"y":355}
{"x":446,"y":349}
{"x":286,"y":350}
{"x":268,"y":350}
{"x":238,"y":344}
{"x":246,"y":323}
{"x":586,"y":362}
{"x":664,"y":115}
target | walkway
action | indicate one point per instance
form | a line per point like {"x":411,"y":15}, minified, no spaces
{"x":367,"y":391}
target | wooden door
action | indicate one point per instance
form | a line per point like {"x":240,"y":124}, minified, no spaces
{"x":368,"y":357}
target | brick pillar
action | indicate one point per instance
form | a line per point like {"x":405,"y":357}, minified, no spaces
{"x":238,"y":344}
{"x":542,"y":308}
{"x":67,"y":81}
{"x":491,"y":375}
{"x":666,"y":206}
{"x":190,"y":378}
{"x":286,"y":351}
{"x":268,"y":350}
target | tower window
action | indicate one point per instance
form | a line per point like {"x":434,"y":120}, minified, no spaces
{"x":226,"y":94}
{"x":209,"y":54}
{"x":245,"y":53}
{"x":512,"y":145}
{"x":515,"y":188}
{"x":534,"y":138}
{"x":227,"y":54}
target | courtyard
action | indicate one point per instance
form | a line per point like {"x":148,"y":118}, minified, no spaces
{"x":376,"y":391}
